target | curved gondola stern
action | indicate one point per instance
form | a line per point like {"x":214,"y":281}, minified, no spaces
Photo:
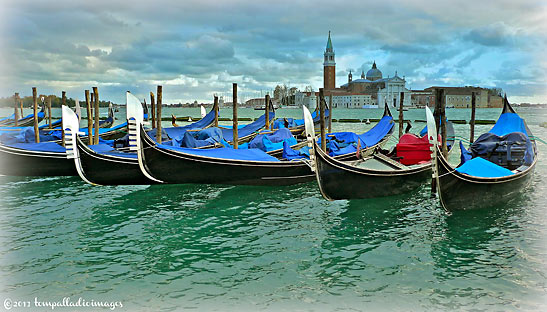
{"x":134,"y":124}
{"x":387,"y":112}
{"x":310,"y":138}
{"x":507,"y":108}
{"x":71,"y":125}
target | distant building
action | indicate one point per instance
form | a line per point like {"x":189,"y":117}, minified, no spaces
{"x":457,"y":97}
{"x":460,"y":97}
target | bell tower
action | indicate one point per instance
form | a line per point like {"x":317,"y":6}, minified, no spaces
{"x":329,"y":67}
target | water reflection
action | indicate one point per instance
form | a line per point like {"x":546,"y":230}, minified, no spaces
{"x":471,"y":242}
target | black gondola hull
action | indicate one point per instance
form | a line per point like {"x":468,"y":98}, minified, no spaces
{"x":19,"y":162}
{"x":110,"y":170}
{"x":458,"y":191}
{"x":338,"y":180}
{"x":177,"y":167}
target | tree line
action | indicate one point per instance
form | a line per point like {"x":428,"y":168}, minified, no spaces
{"x":55,"y":101}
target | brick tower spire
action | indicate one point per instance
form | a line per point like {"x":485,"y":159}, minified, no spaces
{"x":329,"y":67}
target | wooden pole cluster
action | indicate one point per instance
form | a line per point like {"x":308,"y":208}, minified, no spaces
{"x":215,"y":107}
{"x":89,"y":118}
{"x":267,"y":110}
{"x":159,"y":93}
{"x":16,"y":110}
{"x":96,"y":125}
{"x":35,"y":109}
{"x":401,"y":117}
{"x":235,"y":123}
{"x":472,"y":121}
{"x":153,"y":109}
{"x":330,"y":113}
{"x":322,"y":119}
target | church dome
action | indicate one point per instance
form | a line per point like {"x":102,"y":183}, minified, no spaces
{"x":374,"y":73}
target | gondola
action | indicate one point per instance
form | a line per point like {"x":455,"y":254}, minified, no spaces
{"x":373,"y":175}
{"x":24,"y":121}
{"x":35,"y":159}
{"x":103,"y":165}
{"x":170,"y":164}
{"x":99,"y":164}
{"x":478,"y":182}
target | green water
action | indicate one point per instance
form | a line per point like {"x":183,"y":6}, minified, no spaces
{"x":224,"y":248}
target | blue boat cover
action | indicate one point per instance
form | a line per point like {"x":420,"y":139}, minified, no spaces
{"x":273,"y":141}
{"x":249,"y":129}
{"x":507,"y":123}
{"x":108,"y":150}
{"x":480,"y":167}
{"x":193,"y":139}
{"x":224,"y":153}
{"x":346,"y":142}
{"x":290,"y":154}
{"x":40,"y":147}
{"x":465,"y":154}
{"x":174,"y":132}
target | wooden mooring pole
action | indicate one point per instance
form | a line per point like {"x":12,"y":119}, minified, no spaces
{"x":16,"y":110}
{"x":401,"y":116}
{"x":89,"y":118}
{"x":330,"y":113}
{"x":96,"y":124}
{"x":21,"y":105}
{"x":153,"y":109}
{"x":215,"y":107}
{"x":159,"y":93}
{"x":267,"y":110}
{"x":35,"y":109}
{"x":322,"y":119}
{"x":443,"y":127}
{"x":49,"y":111}
{"x":472,"y":121}
{"x":235,"y":123}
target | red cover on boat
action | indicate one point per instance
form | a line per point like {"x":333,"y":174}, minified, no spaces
{"x":413,"y":149}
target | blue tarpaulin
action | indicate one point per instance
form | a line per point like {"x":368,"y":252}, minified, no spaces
{"x":200,"y":138}
{"x":273,"y":141}
{"x":290,"y":154}
{"x":41,"y":147}
{"x":224,"y":153}
{"x":507,"y":123}
{"x":173,"y":132}
{"x":251,"y":128}
{"x":108,"y":150}
{"x":347,"y":141}
{"x":479,"y":167}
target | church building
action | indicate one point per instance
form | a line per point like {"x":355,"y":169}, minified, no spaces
{"x":370,"y":91}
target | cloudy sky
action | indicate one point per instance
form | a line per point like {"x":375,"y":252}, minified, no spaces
{"x":198,"y":48}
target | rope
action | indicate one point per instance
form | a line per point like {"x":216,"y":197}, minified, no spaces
{"x":535,"y":138}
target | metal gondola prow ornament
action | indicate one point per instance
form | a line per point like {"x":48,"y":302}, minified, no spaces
{"x":433,"y":140}
{"x":135,"y":119}
{"x":71,"y":125}
{"x":310,"y":136}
